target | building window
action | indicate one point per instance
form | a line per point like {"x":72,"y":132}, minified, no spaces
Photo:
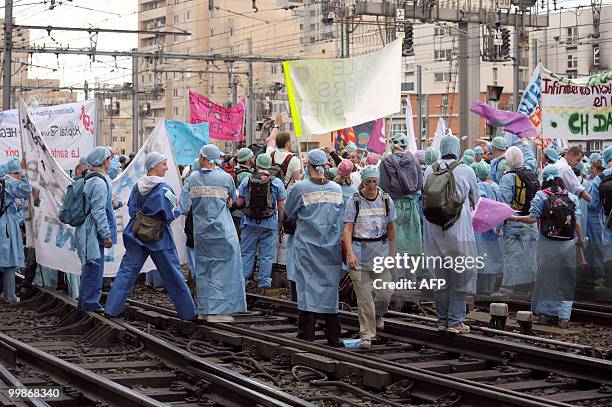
{"x":439,"y":31}
{"x":572,"y":62}
{"x":312,"y":27}
{"x":114,"y":138}
{"x":177,"y":1}
{"x":442,"y":76}
{"x":175,"y":111}
{"x":301,"y":27}
{"x":313,"y":40}
{"x":232,"y":50}
{"x":176,"y":38}
{"x":442,"y":55}
{"x":407,"y":86}
{"x":123,"y":139}
{"x":572,"y":36}
{"x":444,"y":104}
{"x":273,"y":69}
{"x":211,"y":32}
{"x":595,"y":145}
{"x":175,"y":93}
{"x":495,"y":75}
{"x":175,"y":19}
{"x":188,"y":16}
{"x":313,"y":12}
{"x":231,"y":32}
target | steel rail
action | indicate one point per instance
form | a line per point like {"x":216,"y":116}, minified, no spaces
{"x":474,"y":393}
{"x":519,"y":354}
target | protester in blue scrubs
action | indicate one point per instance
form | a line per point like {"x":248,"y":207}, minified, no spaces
{"x":154,"y":198}
{"x":260,"y":236}
{"x":99,"y":231}
{"x":316,"y":204}
{"x":16,"y":187}
{"x":209,"y":193}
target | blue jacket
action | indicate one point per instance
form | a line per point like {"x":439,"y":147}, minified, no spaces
{"x":11,"y":243}
{"x":158,"y":202}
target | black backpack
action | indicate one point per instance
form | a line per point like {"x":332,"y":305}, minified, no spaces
{"x":259,"y":203}
{"x":525,"y":187}
{"x":605,"y":193}
{"x":280,"y":171}
{"x":558,"y":220}
{"x":441,"y":203}
{"x":239,"y":171}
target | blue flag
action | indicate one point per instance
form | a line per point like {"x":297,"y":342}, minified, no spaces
{"x":187,"y":139}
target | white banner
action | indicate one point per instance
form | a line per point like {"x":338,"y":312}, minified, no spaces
{"x":54,"y":241}
{"x":579,"y":109}
{"x":330,"y":94}
{"x":69,"y":131}
{"x":410,"y":126}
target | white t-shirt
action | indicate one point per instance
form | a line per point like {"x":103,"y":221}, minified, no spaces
{"x":571,"y":181}
{"x":294,"y":165}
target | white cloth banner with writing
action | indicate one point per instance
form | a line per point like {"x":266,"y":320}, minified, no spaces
{"x":577,"y":109}
{"x":69,"y":131}
{"x":54,"y":241}
{"x":330,"y":94}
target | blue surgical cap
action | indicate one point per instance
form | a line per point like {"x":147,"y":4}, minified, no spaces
{"x":317,"y":158}
{"x":478,"y":150}
{"x":607,"y":156}
{"x":83,"y":160}
{"x":370,"y":171}
{"x":449,"y":145}
{"x":400,"y":140}
{"x":13,"y":166}
{"x":196,"y":165}
{"x":98,"y":156}
{"x":211,"y":152}
{"x":350,"y":148}
{"x":468,"y":156}
{"x":550,"y":172}
{"x":500,"y":143}
{"x":552,"y":154}
{"x":483,"y":170}
{"x":153,"y":159}
{"x":431,"y":155}
{"x":595,"y":156}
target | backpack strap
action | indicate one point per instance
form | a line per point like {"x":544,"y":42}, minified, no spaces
{"x":357,"y":200}
{"x":386,"y":197}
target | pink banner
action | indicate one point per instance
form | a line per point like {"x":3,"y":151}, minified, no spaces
{"x":377,"y":141}
{"x":224,"y":124}
{"x":490,"y":213}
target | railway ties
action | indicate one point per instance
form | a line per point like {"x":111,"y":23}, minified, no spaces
{"x":46,"y":343}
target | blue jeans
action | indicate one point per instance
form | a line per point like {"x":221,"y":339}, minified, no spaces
{"x":264,"y":242}
{"x":8,"y":280}
{"x":450,"y":306}
{"x":90,"y":289}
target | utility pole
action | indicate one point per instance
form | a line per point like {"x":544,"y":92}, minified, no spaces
{"x":426,"y":120}
{"x":515,"y":65}
{"x":469,"y":81}
{"x":419,"y":103}
{"x":135,"y":110}
{"x":86,"y":89}
{"x":7,"y":72}
{"x":250,"y":136}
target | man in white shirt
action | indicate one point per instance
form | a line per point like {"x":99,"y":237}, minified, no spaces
{"x":571,"y":181}
{"x":292,"y":167}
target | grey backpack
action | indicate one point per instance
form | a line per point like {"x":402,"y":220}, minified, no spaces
{"x":441,"y":203}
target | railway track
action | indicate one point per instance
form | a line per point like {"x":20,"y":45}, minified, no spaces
{"x":46,"y":342}
{"x":582,"y":311}
{"x":519,"y":373}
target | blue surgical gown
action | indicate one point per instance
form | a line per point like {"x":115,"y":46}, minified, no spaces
{"x":11,"y":242}
{"x":316,"y":252}
{"x":489,"y":244}
{"x":219,"y":278}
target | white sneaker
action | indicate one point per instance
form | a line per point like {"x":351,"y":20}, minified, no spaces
{"x":380,"y":324}
{"x":219,"y":318}
{"x":365,"y":343}
{"x":461,"y":329}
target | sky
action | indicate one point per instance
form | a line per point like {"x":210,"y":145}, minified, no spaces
{"x":74,"y":70}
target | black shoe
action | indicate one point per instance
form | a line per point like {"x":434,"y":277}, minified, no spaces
{"x":112,"y":316}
